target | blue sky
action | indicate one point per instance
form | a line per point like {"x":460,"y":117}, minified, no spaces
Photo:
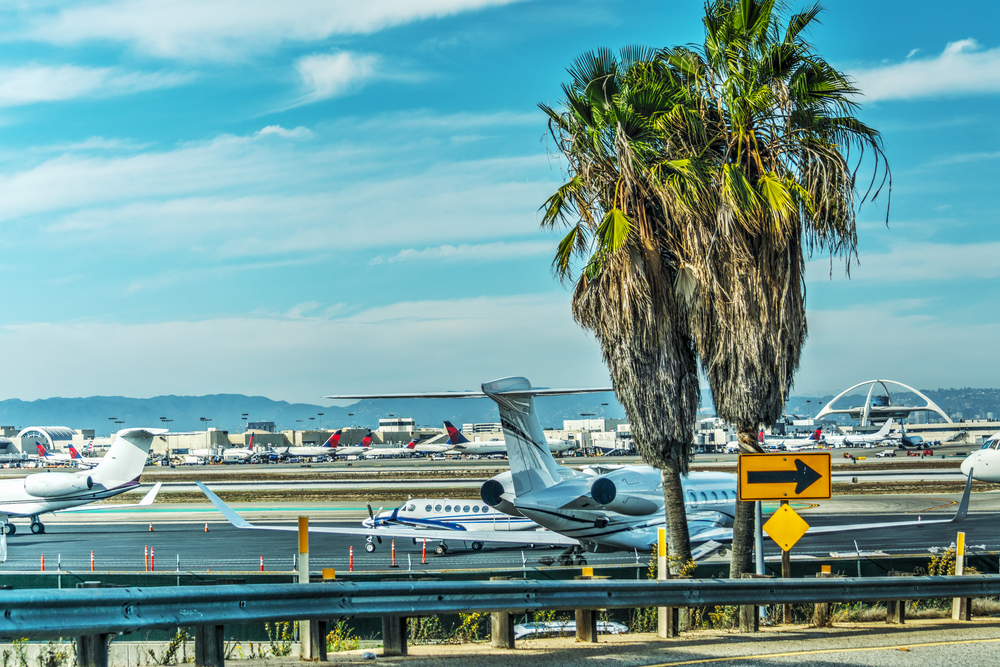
{"x":298,"y":198}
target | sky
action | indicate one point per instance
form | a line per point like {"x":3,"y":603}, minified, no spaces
{"x":319,"y":196}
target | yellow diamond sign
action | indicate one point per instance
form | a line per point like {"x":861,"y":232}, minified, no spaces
{"x":785,"y":527}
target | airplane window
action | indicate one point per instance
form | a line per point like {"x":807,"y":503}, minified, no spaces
{"x":725,"y":496}
{"x":987,"y":444}
{"x":715,"y":496}
{"x":692,"y":498}
{"x":704,"y":498}
{"x":437,"y":508}
{"x":447,"y":508}
{"x":411,"y":508}
{"x":475,"y":508}
{"x":996,"y":444}
{"x":465,"y":509}
{"x":427,"y":509}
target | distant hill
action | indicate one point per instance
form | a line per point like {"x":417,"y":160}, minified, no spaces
{"x":225,"y":411}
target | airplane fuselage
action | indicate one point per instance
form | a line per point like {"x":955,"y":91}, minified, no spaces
{"x":454,"y":515}
{"x":15,"y":501}
{"x":984,"y":463}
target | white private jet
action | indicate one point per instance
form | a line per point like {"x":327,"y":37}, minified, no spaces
{"x":859,"y":439}
{"x":46,"y":492}
{"x":601,"y":508}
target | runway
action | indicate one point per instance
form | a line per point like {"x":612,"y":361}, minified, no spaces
{"x":180,"y":541}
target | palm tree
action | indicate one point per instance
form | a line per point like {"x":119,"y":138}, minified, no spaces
{"x":781,"y":125}
{"x":619,"y":117}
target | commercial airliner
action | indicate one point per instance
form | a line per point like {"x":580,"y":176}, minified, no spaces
{"x":45,"y":492}
{"x":791,"y":444}
{"x":859,"y":439}
{"x":328,"y":448}
{"x":984,"y":463}
{"x":462,"y":445}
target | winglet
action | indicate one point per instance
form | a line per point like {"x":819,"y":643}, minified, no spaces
{"x":151,"y":496}
{"x":963,"y":506}
{"x":226,"y":510}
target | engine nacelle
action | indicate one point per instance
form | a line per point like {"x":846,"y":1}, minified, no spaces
{"x":494,"y":488}
{"x":56,"y":484}
{"x":611,"y":494}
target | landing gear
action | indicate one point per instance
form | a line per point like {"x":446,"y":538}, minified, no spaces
{"x":441,"y":549}
{"x":370,"y":548}
{"x":572,"y":556}
{"x":476,"y":546}
{"x":37,"y":527}
{"x":9,"y":528}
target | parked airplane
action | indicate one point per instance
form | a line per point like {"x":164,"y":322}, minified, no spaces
{"x":445,"y":514}
{"x":791,"y":444}
{"x":462,"y":445}
{"x":328,"y":448}
{"x":354,"y":450}
{"x":386,"y":451}
{"x":859,"y":439}
{"x":907,"y":441}
{"x":603,"y":508}
{"x":984,"y":463}
{"x":45,"y":492}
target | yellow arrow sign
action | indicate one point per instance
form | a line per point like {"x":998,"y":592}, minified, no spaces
{"x":785,"y":527}
{"x":784,"y":476}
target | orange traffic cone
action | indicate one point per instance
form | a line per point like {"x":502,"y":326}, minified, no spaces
{"x":150,"y":527}
{"x":206,"y":527}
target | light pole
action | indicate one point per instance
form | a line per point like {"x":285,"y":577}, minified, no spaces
{"x":204,"y":421}
{"x":245,"y":417}
{"x":112,"y":419}
{"x":351,"y":415}
{"x":320,"y":420}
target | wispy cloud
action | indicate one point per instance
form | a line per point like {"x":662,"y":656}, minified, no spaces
{"x":963,"y":68}
{"x":333,"y":74}
{"x":31,"y":84}
{"x":483,"y":252}
{"x":406,"y":346}
{"x":927,"y":262}
{"x":219,"y":29}
{"x":294,"y":133}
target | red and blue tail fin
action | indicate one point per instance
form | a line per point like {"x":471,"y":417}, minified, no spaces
{"x":412,"y":444}
{"x":333,"y":440}
{"x":367,"y":440}
{"x":455,"y":436}
{"x":818,"y":435}
{"x":250,"y":444}
{"x":73,"y":454}
{"x":40,"y":448}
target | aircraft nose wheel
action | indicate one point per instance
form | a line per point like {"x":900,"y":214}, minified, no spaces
{"x":370,"y":547}
{"x":441,"y":549}
{"x":9,"y":529}
{"x":476,"y":546}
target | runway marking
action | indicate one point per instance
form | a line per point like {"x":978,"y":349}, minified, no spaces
{"x":790,"y":654}
{"x":947,"y":503}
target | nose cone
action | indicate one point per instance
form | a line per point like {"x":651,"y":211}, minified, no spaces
{"x":969,"y":463}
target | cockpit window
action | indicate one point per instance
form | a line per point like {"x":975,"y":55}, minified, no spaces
{"x":996,"y":444}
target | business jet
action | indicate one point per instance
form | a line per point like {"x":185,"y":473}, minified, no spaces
{"x":984,"y":463}
{"x":41,"y":493}
{"x":859,"y":439}
{"x":602,"y":508}
{"x":328,"y":448}
{"x":441,"y":513}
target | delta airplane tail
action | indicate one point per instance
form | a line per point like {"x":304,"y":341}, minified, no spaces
{"x":126,"y":457}
{"x":73,"y":454}
{"x":250,"y":444}
{"x":333,"y":440}
{"x":367,"y":440}
{"x":817,"y":435}
{"x":455,"y":436}
{"x":40,"y":449}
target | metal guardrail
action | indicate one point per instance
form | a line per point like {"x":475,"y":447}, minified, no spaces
{"x":69,"y":612}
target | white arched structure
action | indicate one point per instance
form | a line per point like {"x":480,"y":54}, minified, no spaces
{"x":864,"y":412}
{"x":48,"y":434}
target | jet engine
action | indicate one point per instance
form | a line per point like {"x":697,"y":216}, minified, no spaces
{"x":611,"y":492}
{"x":494,"y":488}
{"x":56,"y":484}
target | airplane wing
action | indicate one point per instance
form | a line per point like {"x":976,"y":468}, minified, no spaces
{"x":146,"y":501}
{"x":505,"y":537}
{"x":473,"y":394}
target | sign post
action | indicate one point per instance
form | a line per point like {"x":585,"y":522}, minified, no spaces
{"x":783,"y":477}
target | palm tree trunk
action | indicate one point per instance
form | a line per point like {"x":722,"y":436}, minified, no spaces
{"x":743,"y":521}
{"x":678,"y":540}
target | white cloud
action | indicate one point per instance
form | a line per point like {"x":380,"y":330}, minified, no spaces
{"x":221,"y":29}
{"x":30,"y":84}
{"x":904,"y":262}
{"x":295,"y":133}
{"x":410,"y":346}
{"x":895,"y":340}
{"x":963,"y":68}
{"x":482,"y":252}
{"x":329,"y":75}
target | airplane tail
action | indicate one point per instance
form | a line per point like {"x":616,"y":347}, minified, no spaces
{"x":817,"y":435}
{"x":412,"y":444}
{"x":455,"y":436}
{"x":126,"y":457}
{"x":73,"y":454}
{"x":250,"y":444}
{"x":884,"y":431}
{"x":532,"y":465}
{"x":333,"y":440}
{"x":40,"y":449}
{"x":367,"y":440}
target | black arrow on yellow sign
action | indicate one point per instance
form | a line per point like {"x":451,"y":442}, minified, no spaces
{"x":802,"y":477}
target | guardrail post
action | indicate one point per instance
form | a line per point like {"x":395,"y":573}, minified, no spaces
{"x":394,"y":635}
{"x":895,"y":610}
{"x":961,"y":608}
{"x":750,"y":613}
{"x":821,"y":610}
{"x":312,"y":634}
{"x":667,"y":618}
{"x":586,"y":619}
{"x":209,"y":649}
{"x":501,"y":625}
{"x":92,"y":650}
